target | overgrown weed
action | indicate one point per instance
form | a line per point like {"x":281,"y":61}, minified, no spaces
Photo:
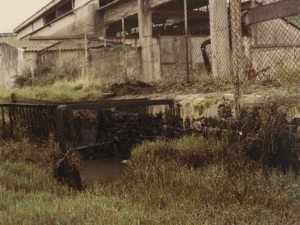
{"x":267,"y":135}
{"x":191,"y":180}
{"x":197,"y":84}
{"x":60,"y":91}
{"x":30,"y":195}
{"x":46,"y":73}
{"x":195,"y":179}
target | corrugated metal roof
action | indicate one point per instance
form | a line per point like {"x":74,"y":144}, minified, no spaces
{"x":52,"y":45}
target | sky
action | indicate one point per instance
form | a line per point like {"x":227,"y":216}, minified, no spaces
{"x":13,"y":13}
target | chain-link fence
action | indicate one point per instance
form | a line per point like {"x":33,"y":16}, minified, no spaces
{"x":233,"y":40}
{"x":274,"y":42}
{"x":206,"y":39}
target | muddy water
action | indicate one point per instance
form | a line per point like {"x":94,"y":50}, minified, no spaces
{"x":102,"y":171}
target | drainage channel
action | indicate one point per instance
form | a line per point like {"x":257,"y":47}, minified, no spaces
{"x":102,"y":171}
{"x":98,"y":170}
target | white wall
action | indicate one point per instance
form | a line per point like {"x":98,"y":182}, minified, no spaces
{"x":77,"y":23}
{"x":38,"y":24}
{"x":25,"y":31}
{"x":79,"y":3}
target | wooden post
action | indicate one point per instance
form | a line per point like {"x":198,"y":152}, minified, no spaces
{"x":71,"y":126}
{"x":60,"y":128}
{"x":86,"y":54}
{"x":85,"y":48}
{"x":13,"y":97}
{"x":160,"y":55}
{"x":59,"y":52}
{"x":123,"y":38}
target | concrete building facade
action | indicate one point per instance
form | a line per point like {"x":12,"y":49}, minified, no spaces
{"x":150,"y":39}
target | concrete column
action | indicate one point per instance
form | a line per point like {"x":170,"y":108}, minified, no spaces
{"x":219,"y":34}
{"x":101,"y":29}
{"x":145,"y":38}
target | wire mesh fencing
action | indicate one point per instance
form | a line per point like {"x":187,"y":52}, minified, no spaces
{"x":275,"y":43}
{"x":230,"y":40}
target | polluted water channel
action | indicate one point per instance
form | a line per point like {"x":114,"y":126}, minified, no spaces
{"x":102,"y":171}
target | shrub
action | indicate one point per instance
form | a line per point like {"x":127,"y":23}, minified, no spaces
{"x":46,"y":73}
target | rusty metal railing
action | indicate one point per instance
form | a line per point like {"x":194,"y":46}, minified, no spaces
{"x":38,"y":119}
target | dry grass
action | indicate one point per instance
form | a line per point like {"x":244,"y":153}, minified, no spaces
{"x":80,"y":90}
{"x":198,"y":181}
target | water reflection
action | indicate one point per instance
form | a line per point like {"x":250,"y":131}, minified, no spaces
{"x":102,"y":171}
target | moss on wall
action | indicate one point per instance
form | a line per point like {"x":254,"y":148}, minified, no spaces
{"x":205,"y":104}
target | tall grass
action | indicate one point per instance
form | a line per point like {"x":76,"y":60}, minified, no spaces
{"x":191,"y":180}
{"x":198,"y":181}
{"x":30,"y":195}
{"x":79,"y":90}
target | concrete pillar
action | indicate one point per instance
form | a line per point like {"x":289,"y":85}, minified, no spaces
{"x":145,"y":38}
{"x":101,"y":29}
{"x":219,"y":34}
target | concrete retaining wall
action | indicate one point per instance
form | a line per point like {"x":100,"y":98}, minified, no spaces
{"x":122,"y":129}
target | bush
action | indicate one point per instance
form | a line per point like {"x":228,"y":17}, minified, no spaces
{"x":268,"y":137}
{"x":46,"y":73}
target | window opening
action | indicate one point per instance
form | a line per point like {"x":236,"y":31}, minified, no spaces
{"x":50,"y":17}
{"x":67,"y":7}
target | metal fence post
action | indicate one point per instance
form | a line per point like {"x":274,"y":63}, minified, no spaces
{"x":237,"y":61}
{"x":186,"y":41}
{"x":124,"y":48}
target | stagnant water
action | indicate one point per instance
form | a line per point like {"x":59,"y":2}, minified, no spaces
{"x":102,"y":171}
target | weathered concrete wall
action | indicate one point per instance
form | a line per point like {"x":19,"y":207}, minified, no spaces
{"x":167,"y":57}
{"x":67,"y":56}
{"x":36,"y":16}
{"x":24,"y":32}
{"x":173,"y":55}
{"x":276,"y":60}
{"x":111,"y":64}
{"x":14,"y":60}
{"x":275,"y":33}
{"x":10,"y":64}
{"x":273,"y":49}
{"x":38,"y":24}
{"x":82,"y":20}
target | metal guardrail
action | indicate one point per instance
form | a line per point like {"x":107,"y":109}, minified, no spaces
{"x":40,"y":118}
{"x":34,"y":121}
